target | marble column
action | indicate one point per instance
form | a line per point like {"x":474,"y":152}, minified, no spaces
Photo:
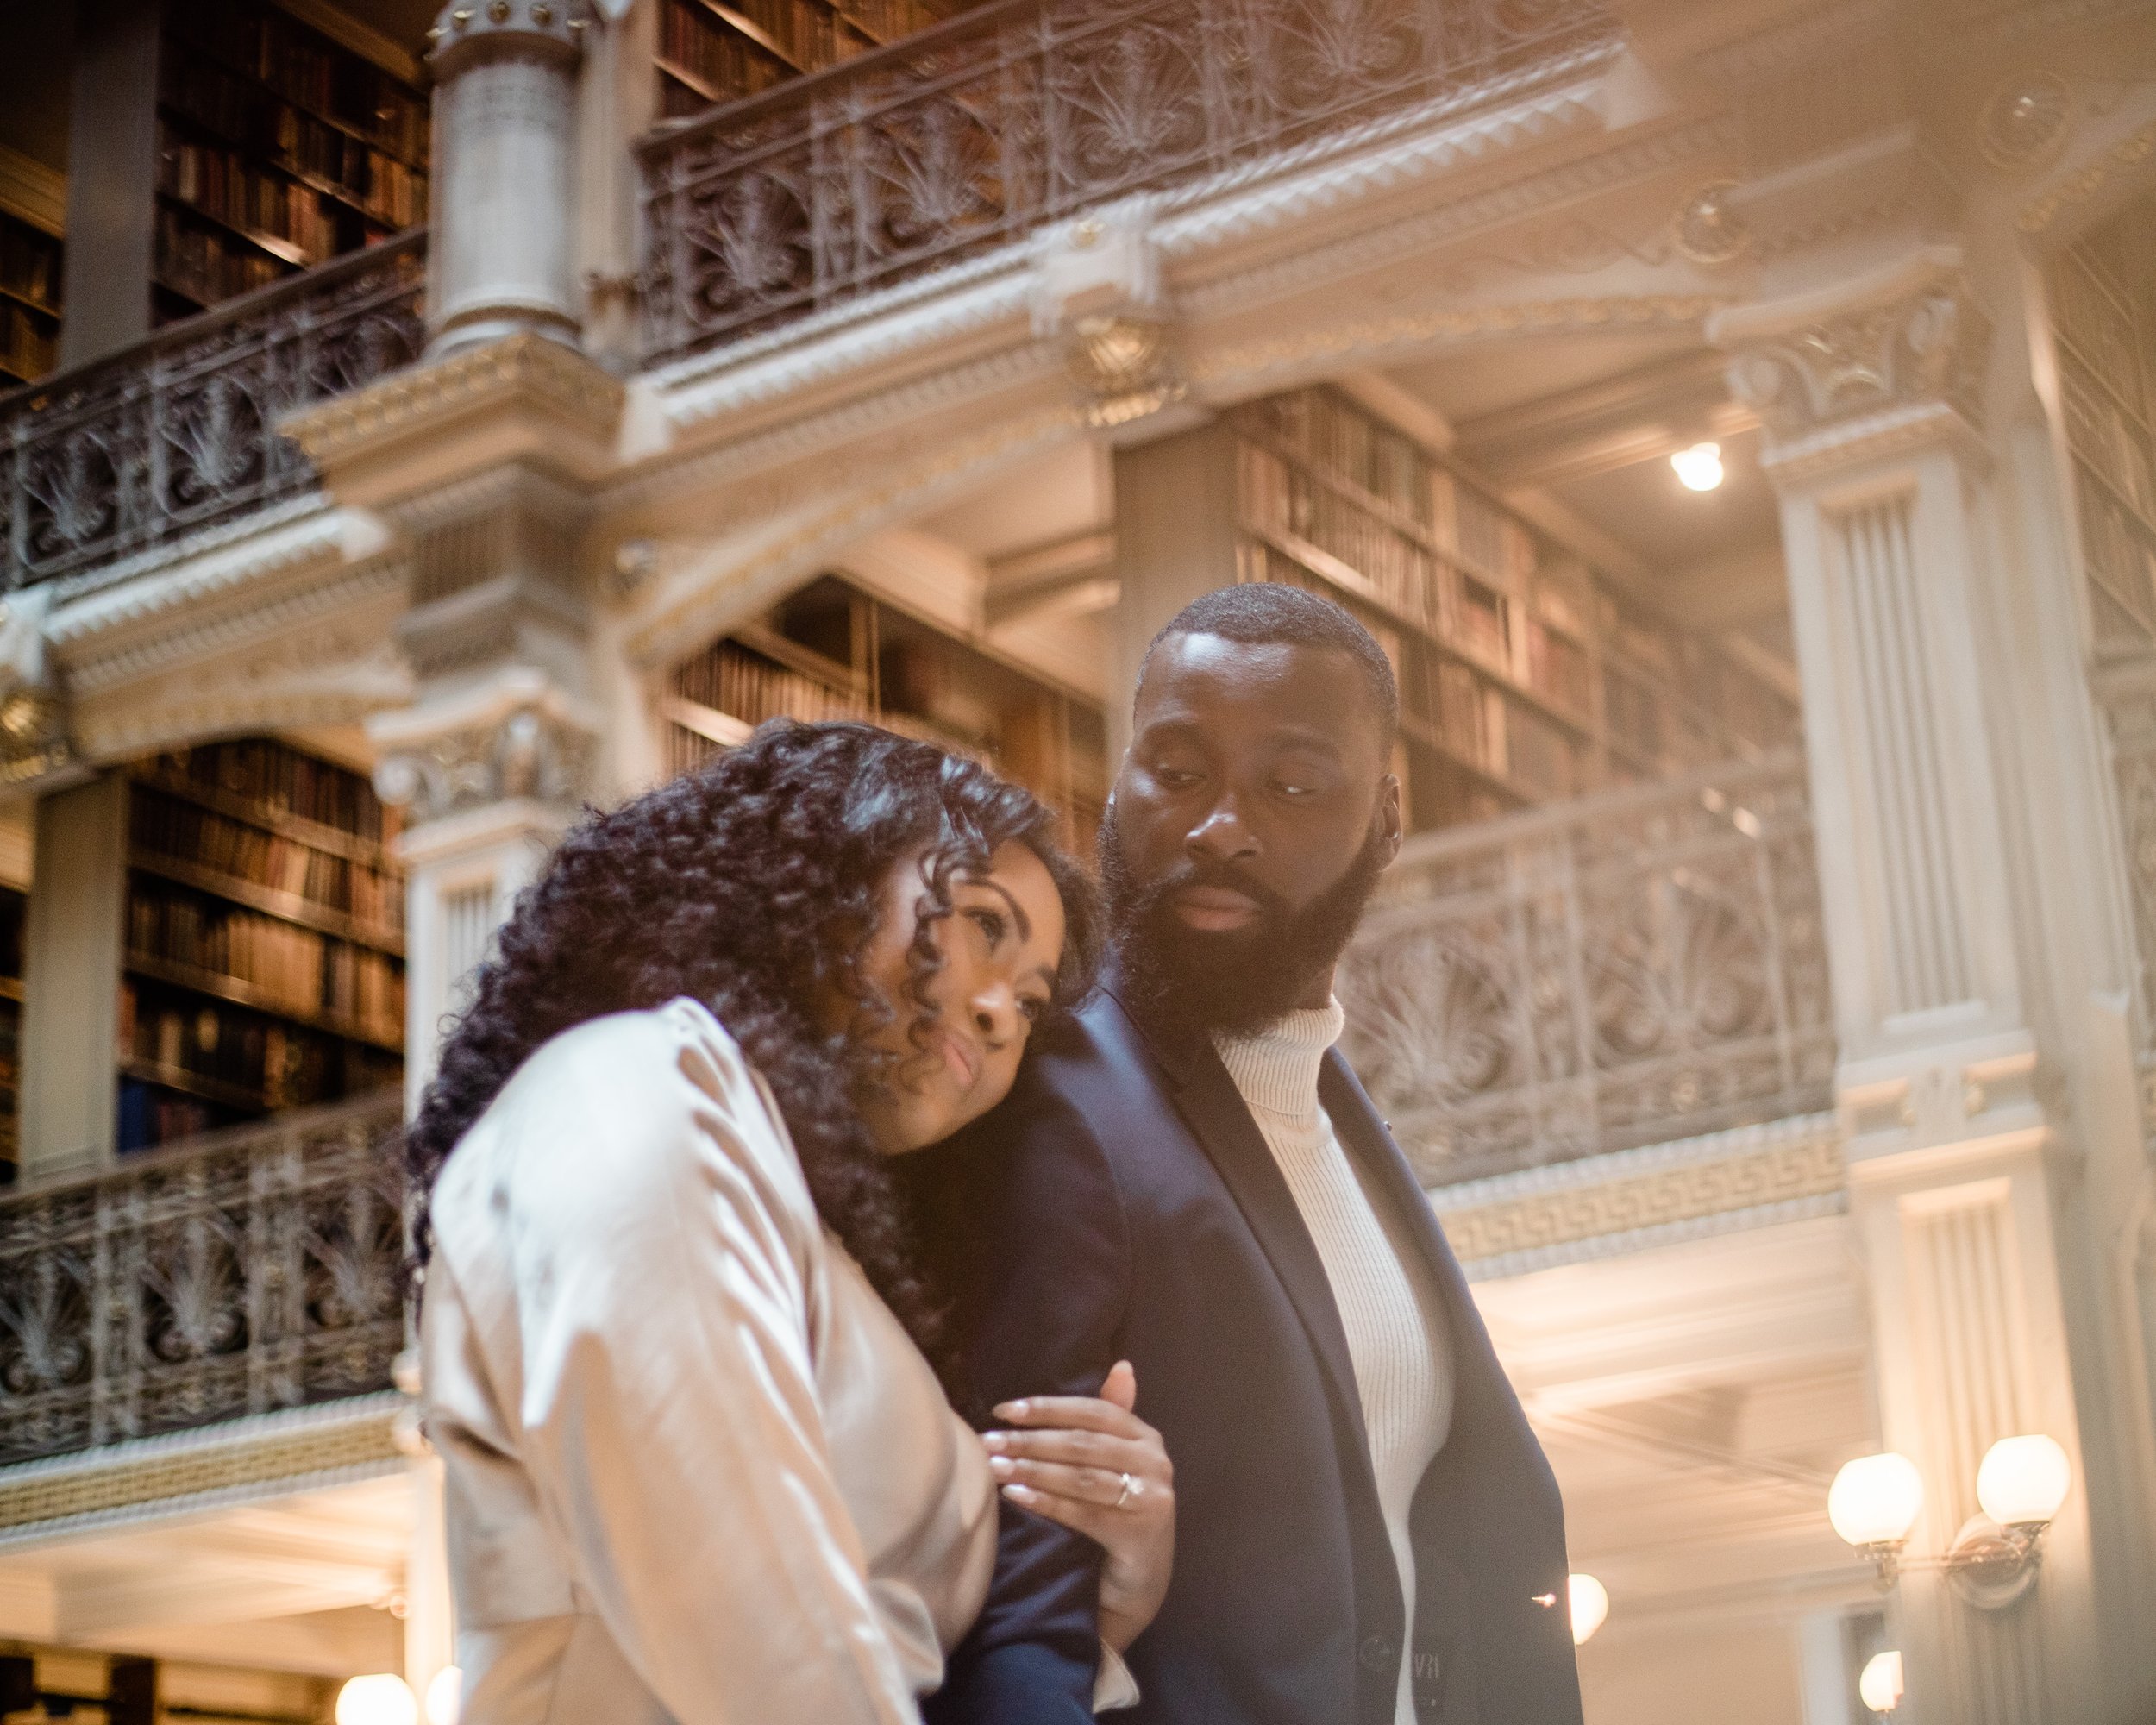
{"x":1963,"y":1141}
{"x":501,"y":245}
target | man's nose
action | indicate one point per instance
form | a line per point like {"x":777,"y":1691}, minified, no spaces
{"x":1221,"y":836}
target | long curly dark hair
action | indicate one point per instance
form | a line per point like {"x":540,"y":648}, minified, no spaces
{"x":751,"y":884}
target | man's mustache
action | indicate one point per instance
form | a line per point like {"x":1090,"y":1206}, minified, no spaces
{"x":1224,"y":876}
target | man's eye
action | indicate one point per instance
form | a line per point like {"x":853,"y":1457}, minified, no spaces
{"x":1175,"y":778}
{"x":1287,"y":789}
{"x":991,"y":924}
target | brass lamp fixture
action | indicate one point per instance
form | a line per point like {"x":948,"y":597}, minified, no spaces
{"x":1993,"y":1561}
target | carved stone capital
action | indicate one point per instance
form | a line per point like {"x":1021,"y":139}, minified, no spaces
{"x":1124,"y":365}
{"x":34,"y":732}
{"x":516,"y":738}
{"x":470,"y":31}
{"x":1908,"y":342}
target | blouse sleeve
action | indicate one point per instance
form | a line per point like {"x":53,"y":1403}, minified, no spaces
{"x":665,"y":1276}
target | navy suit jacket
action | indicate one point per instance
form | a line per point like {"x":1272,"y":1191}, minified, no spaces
{"x":1122,"y":1204}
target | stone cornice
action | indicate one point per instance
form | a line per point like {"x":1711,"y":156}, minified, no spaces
{"x":240,"y":1461}
{"x":525,"y":395}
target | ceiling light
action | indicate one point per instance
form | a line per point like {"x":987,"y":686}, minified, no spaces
{"x":1880,"y":1687}
{"x":1700,"y":468}
{"x":1589,"y":1601}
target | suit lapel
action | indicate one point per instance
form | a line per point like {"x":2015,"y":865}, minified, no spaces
{"x":1221,"y":1120}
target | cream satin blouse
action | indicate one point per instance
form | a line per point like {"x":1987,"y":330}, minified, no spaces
{"x":695,"y":1470}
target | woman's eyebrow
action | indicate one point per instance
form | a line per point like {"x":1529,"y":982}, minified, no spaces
{"x":1017,"y":915}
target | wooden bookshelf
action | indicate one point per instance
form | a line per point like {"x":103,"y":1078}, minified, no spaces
{"x":831,"y":651}
{"x":30,"y":300}
{"x":14,"y":908}
{"x":716,"y":51}
{"x":277,"y":149}
{"x":264,"y":962}
{"x":1525,"y":676}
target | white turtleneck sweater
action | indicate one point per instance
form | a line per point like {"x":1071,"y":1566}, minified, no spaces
{"x":1387,"y":1304}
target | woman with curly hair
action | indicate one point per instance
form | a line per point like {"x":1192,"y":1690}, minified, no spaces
{"x":676,"y":1343}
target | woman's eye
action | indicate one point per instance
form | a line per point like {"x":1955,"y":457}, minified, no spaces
{"x":991,"y":924}
{"x":1034,"y":1006}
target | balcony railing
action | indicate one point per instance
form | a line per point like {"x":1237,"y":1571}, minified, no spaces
{"x":964,"y":138}
{"x":1634,"y":967}
{"x":257,"y":1270}
{"x":177,"y":434}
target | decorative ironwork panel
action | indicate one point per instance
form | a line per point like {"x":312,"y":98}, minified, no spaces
{"x":260,"y":1268}
{"x":967,"y":136}
{"x":1643,"y":965}
{"x":179,"y":433}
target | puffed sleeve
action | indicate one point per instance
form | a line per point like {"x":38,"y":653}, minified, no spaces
{"x":668,"y":1269}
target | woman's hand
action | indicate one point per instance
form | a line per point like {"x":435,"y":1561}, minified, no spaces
{"x":1091,"y":1464}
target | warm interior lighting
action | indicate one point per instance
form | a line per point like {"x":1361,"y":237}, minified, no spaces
{"x":1700,"y":468}
{"x":1880,"y":1687}
{"x":1876,"y":1499}
{"x":2024,"y":1481}
{"x":1589,"y":1601}
{"x":382,"y":1698}
{"x":445,"y":1696}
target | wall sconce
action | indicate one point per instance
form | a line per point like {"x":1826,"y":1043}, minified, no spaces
{"x":1879,"y":1684}
{"x":1588,"y":1601}
{"x":380,"y":1698}
{"x":1993,"y":1561}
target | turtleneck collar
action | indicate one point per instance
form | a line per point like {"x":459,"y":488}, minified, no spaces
{"x":1275,"y":1069}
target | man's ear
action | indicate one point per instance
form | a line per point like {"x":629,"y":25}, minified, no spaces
{"x":1387,"y":817}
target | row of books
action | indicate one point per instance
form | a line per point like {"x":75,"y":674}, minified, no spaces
{"x":280,"y":780}
{"x":30,"y":262}
{"x":205,"y":266}
{"x":270,"y":131}
{"x":305,"y":67}
{"x":723,"y":61}
{"x":29,"y":342}
{"x":235,"y":1050}
{"x":747,"y":686}
{"x":171,"y":828}
{"x":149,"y":1116}
{"x":294,"y":970}
{"x":1478,"y":723}
{"x":220,"y":183}
{"x":1332,"y":434}
{"x":2103,"y":431}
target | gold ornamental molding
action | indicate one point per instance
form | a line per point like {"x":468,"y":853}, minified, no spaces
{"x":1634,"y":1199}
{"x":1242,"y":364}
{"x":2084,"y":184}
{"x":242,"y":1460}
{"x":524,"y":396}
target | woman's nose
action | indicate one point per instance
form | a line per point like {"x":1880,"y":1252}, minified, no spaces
{"x":995,"y":1012}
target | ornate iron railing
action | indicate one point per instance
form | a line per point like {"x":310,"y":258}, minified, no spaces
{"x":257,"y":1270}
{"x":1638,"y":966}
{"x":966,"y":136}
{"x":178,"y":433}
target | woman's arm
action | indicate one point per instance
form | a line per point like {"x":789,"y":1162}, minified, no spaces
{"x":664,"y":1257}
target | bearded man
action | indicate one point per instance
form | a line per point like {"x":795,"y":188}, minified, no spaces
{"x":1190,"y":1177}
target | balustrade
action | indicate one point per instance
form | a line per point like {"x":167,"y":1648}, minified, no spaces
{"x":964,"y":137}
{"x":179,"y":433}
{"x":1641,"y":965}
{"x":258,"y":1269}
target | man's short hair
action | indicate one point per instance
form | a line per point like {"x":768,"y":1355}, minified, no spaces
{"x":1264,"y":613}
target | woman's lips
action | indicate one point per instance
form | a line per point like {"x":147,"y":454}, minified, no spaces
{"x":1215,"y":910}
{"x":964,"y":1062}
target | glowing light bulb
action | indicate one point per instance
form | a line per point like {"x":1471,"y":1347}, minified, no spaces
{"x":445,"y":1696}
{"x":1876,"y":1499}
{"x":1700,"y":468}
{"x":1880,"y":1685}
{"x":382,"y":1698}
{"x":2024,"y":1481}
{"x":1589,"y":1601}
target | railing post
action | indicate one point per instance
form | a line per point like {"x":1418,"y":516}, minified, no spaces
{"x":503,"y":219}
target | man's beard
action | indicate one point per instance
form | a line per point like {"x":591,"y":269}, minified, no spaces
{"x":1199,"y":982}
